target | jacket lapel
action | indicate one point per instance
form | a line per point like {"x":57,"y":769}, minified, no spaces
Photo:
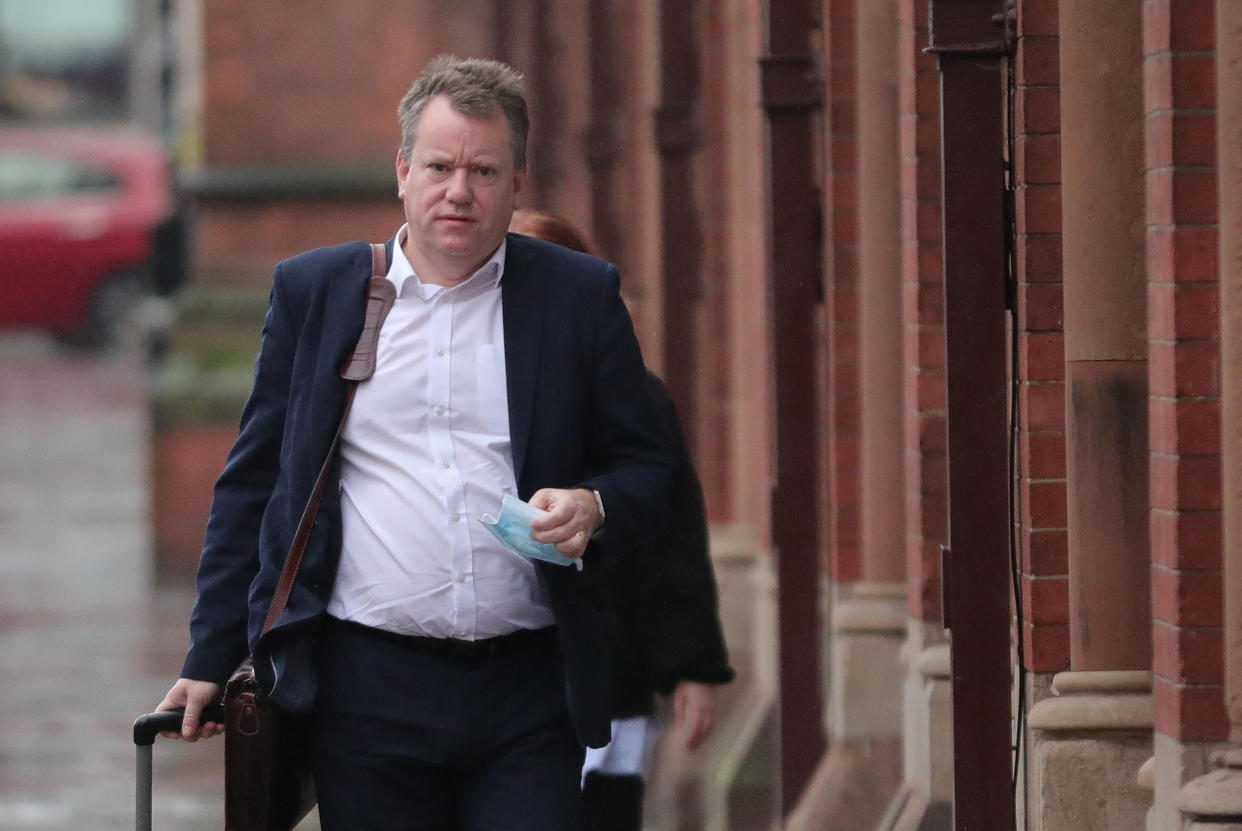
{"x":521,"y":293}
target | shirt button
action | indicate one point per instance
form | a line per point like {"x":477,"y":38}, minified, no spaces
{"x":445,"y":465}
{"x":439,"y":410}
{"x":460,"y":578}
{"x":440,"y":351}
{"x":455,"y":517}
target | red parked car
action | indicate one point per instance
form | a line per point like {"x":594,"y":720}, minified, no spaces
{"x":89,"y":231}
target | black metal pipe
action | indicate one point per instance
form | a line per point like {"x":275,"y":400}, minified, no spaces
{"x":679,"y":139}
{"x":969,"y":38}
{"x":791,"y":94}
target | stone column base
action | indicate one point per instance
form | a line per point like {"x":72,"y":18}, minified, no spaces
{"x":1088,"y":743}
{"x":925,"y":801}
{"x":1174,"y":764}
{"x":1213,"y":802}
{"x":865,"y":685}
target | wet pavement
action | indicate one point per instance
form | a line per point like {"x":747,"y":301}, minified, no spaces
{"x":88,"y":639}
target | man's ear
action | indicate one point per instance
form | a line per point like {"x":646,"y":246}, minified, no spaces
{"x":403,"y":171}
{"x":519,"y":179}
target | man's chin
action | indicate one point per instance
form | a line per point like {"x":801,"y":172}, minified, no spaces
{"x":466,"y":246}
{"x":460,"y":252}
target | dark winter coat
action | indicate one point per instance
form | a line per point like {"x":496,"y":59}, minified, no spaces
{"x":663,"y":595}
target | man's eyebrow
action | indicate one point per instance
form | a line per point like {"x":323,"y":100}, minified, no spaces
{"x":440,"y":155}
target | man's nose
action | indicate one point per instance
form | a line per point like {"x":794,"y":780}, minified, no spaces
{"x":458,"y":190}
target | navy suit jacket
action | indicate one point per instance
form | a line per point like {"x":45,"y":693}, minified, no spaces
{"x":579,"y":416}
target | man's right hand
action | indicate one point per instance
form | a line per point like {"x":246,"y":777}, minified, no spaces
{"x":194,"y":696}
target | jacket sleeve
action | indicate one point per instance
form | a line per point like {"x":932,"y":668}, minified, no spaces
{"x":628,"y":455}
{"x":679,"y":633}
{"x":230,"y":557}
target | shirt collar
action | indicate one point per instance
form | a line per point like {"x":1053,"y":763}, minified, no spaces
{"x":400,"y":271}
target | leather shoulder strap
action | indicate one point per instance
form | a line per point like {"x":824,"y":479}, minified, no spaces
{"x":361,"y":365}
{"x":381,"y":294}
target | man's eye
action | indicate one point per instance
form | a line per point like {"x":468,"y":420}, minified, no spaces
{"x":436,"y":167}
{"x":486,"y":171}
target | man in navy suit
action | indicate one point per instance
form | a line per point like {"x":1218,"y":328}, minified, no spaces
{"x":452,"y":683}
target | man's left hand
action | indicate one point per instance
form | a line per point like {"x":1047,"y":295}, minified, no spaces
{"x":571,"y":519}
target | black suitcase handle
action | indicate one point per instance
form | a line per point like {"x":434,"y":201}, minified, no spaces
{"x":147,"y":727}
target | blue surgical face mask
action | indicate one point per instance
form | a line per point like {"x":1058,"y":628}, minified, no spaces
{"x":512,"y":528}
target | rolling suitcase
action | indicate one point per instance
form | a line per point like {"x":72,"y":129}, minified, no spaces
{"x":146,"y":728}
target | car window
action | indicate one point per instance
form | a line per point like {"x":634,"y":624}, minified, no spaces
{"x":31,"y":176}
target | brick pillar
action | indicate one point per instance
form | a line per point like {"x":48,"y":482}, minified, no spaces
{"x":879,"y":265}
{"x":868,"y":616}
{"x":1105,"y":326}
{"x":1229,"y":149}
{"x":841,"y":232}
{"x":855,"y":779}
{"x":1185,"y":428}
{"x":922,"y":267}
{"x":1101,"y":719}
{"x":1041,"y":395}
{"x":1040,"y":477}
{"x":880,"y":358}
{"x":1214,"y":800}
{"x":926,"y":796}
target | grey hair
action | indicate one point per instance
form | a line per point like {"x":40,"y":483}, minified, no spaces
{"x":474,"y":86}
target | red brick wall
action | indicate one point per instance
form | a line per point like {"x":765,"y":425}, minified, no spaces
{"x":1183,"y":327}
{"x":1041,"y":399}
{"x":240,"y":243}
{"x":841,"y":281}
{"x":319,"y":80}
{"x":923,"y":314}
{"x":185,"y":463}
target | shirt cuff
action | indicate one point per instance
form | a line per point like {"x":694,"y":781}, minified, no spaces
{"x":599,"y":506}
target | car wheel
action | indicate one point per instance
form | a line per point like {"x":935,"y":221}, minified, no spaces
{"x":117,"y":312}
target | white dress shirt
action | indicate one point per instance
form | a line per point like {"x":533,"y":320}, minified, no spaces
{"x":424,"y":453}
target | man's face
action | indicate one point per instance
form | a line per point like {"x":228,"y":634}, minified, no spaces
{"x":458,"y":186}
